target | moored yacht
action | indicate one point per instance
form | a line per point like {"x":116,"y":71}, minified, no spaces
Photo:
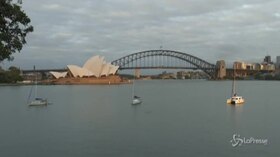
{"x":136,"y":100}
{"x":39,"y":102}
{"x":235,"y":99}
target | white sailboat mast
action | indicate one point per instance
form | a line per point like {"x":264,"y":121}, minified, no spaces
{"x":233,"y":82}
{"x":133,"y":89}
{"x":133,"y":85}
{"x":36,"y":88}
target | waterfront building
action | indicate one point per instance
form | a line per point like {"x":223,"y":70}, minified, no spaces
{"x":257,"y":66}
{"x":270,"y":67}
{"x":32,"y":76}
{"x":239,"y":65}
{"x":254,"y":66}
{"x":96,"y":66}
{"x":166,"y":75}
{"x":249,"y":66}
{"x":183,"y":75}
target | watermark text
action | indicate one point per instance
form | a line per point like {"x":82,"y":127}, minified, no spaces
{"x":237,"y":140}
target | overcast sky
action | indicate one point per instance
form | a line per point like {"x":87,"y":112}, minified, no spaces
{"x":71,"y":31}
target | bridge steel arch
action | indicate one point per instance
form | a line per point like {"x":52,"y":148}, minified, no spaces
{"x":205,"y":66}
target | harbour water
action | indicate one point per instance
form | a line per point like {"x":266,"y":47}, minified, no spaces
{"x":177,"y":118}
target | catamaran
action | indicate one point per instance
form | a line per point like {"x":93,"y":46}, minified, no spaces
{"x":235,"y":99}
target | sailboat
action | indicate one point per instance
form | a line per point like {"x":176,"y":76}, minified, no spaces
{"x":235,"y":99}
{"x":37,"y":101}
{"x":135,"y":99}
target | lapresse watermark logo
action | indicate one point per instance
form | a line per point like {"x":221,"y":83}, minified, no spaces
{"x":237,"y":141}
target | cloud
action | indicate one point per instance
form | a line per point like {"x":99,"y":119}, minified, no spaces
{"x":52,"y":7}
{"x":69,"y":32}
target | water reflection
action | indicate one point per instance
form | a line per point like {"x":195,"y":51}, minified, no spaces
{"x":172,"y":121}
{"x":235,"y":114}
{"x":37,"y":106}
{"x":136,"y":108}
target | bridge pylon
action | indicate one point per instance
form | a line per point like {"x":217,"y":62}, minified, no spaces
{"x":137,"y":73}
{"x":221,"y":69}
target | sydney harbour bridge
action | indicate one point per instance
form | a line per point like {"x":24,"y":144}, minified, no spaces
{"x":163,"y":59}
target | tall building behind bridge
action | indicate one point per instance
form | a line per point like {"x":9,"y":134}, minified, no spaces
{"x":277,"y":62}
{"x":267,"y":59}
{"x":277,"y":65}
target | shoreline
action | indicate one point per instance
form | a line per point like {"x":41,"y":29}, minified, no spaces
{"x":85,"y":81}
{"x":110,"y":80}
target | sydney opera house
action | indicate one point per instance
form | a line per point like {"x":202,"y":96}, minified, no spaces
{"x":94,"y":67}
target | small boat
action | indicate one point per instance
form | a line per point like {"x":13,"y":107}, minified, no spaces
{"x":235,"y":99}
{"x":38,"y":102}
{"x":136,"y":100}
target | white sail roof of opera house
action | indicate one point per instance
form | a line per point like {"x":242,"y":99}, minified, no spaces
{"x":113,"y":69}
{"x":95,"y":66}
{"x":105,"y":69}
{"x":58,"y":74}
{"x":77,"y":71}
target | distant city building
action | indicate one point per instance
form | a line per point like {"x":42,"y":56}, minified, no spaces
{"x":257,"y":66}
{"x":267,"y":64}
{"x":239,"y":65}
{"x":32,"y":76}
{"x":270,"y":67}
{"x":254,"y":66}
{"x":166,"y":75}
{"x":250,"y":66}
{"x":278,"y":62}
{"x":191,"y":75}
{"x":267,"y":59}
{"x":183,"y":75}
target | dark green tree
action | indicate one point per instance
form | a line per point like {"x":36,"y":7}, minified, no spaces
{"x":14,"y":74}
{"x":269,"y":77}
{"x":14,"y":26}
{"x":10,"y":76}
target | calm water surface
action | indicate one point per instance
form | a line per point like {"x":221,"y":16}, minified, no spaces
{"x":177,"y":119}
